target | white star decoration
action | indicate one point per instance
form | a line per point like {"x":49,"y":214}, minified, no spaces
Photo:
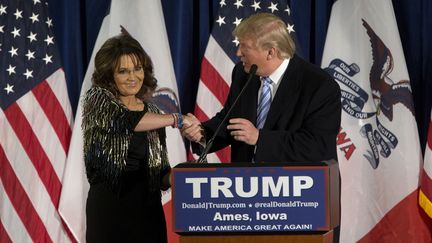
{"x":256,"y":5}
{"x":28,"y":74}
{"x":222,"y":3}
{"x":3,"y":9}
{"x":49,"y":22}
{"x":49,"y":40}
{"x":9,"y":88}
{"x":30,"y":55}
{"x":15,"y":32}
{"x":36,"y":1}
{"x":290,"y":28}
{"x":32,"y":37}
{"x":237,"y":21}
{"x":47,"y":59}
{"x":273,"y":7}
{"x":1,"y":29}
{"x":18,"y":14}
{"x":236,"y":42}
{"x":11,"y":69}
{"x":220,"y":20}
{"x":288,"y":10}
{"x":34,"y":17}
{"x":238,"y":3}
{"x":13,"y":51}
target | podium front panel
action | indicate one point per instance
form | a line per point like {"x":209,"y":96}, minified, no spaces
{"x":252,"y":198}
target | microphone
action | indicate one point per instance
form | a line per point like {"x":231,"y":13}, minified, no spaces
{"x":204,"y":153}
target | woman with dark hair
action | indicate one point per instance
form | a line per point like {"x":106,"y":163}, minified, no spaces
{"x":124,"y":147}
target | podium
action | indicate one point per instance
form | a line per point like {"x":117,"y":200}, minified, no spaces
{"x":256,"y":202}
{"x":324,"y":237}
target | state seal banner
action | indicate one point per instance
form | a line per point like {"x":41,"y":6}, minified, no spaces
{"x":378,"y":146}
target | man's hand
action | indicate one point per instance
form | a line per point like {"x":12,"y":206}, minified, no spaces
{"x":243,"y":130}
{"x":193,"y":131}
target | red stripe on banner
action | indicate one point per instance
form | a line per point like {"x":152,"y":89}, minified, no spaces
{"x":223,"y":154}
{"x":172,"y":236}
{"x":21,"y":202}
{"x":215,"y":83}
{"x":4,"y":237}
{"x":406,"y":222}
{"x":34,"y":151}
{"x":54,"y":112}
{"x":426,"y":184}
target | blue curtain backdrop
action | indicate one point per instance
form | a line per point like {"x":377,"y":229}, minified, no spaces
{"x":189,"y":23}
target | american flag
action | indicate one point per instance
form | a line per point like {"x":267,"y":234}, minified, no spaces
{"x":219,"y":58}
{"x":35,"y":125}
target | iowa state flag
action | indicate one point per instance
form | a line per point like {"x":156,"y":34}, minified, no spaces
{"x":378,"y":145}
{"x":425,"y":195}
{"x":144,"y":21}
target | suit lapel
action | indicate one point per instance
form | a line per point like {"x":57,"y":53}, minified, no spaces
{"x":251,"y":99}
{"x":287,"y":94}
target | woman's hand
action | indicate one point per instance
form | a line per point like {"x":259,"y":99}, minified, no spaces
{"x":193,"y":131}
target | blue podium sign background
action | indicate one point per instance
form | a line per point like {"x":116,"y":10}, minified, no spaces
{"x":250,"y":199}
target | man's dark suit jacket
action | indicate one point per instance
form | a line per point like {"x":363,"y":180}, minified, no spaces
{"x":302,"y":123}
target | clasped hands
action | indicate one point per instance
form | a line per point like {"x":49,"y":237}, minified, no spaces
{"x":241,"y":129}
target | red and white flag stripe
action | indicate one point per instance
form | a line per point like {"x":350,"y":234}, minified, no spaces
{"x":213,"y":89}
{"x":36,"y":132}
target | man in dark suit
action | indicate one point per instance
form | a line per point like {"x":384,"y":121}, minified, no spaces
{"x":291,"y":109}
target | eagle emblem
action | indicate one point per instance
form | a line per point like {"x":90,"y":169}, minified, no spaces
{"x":385,"y":92}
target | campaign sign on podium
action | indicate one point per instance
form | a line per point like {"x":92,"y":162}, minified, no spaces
{"x":251,"y":197}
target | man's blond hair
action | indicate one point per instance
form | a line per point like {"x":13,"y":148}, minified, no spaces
{"x":267,"y":31}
